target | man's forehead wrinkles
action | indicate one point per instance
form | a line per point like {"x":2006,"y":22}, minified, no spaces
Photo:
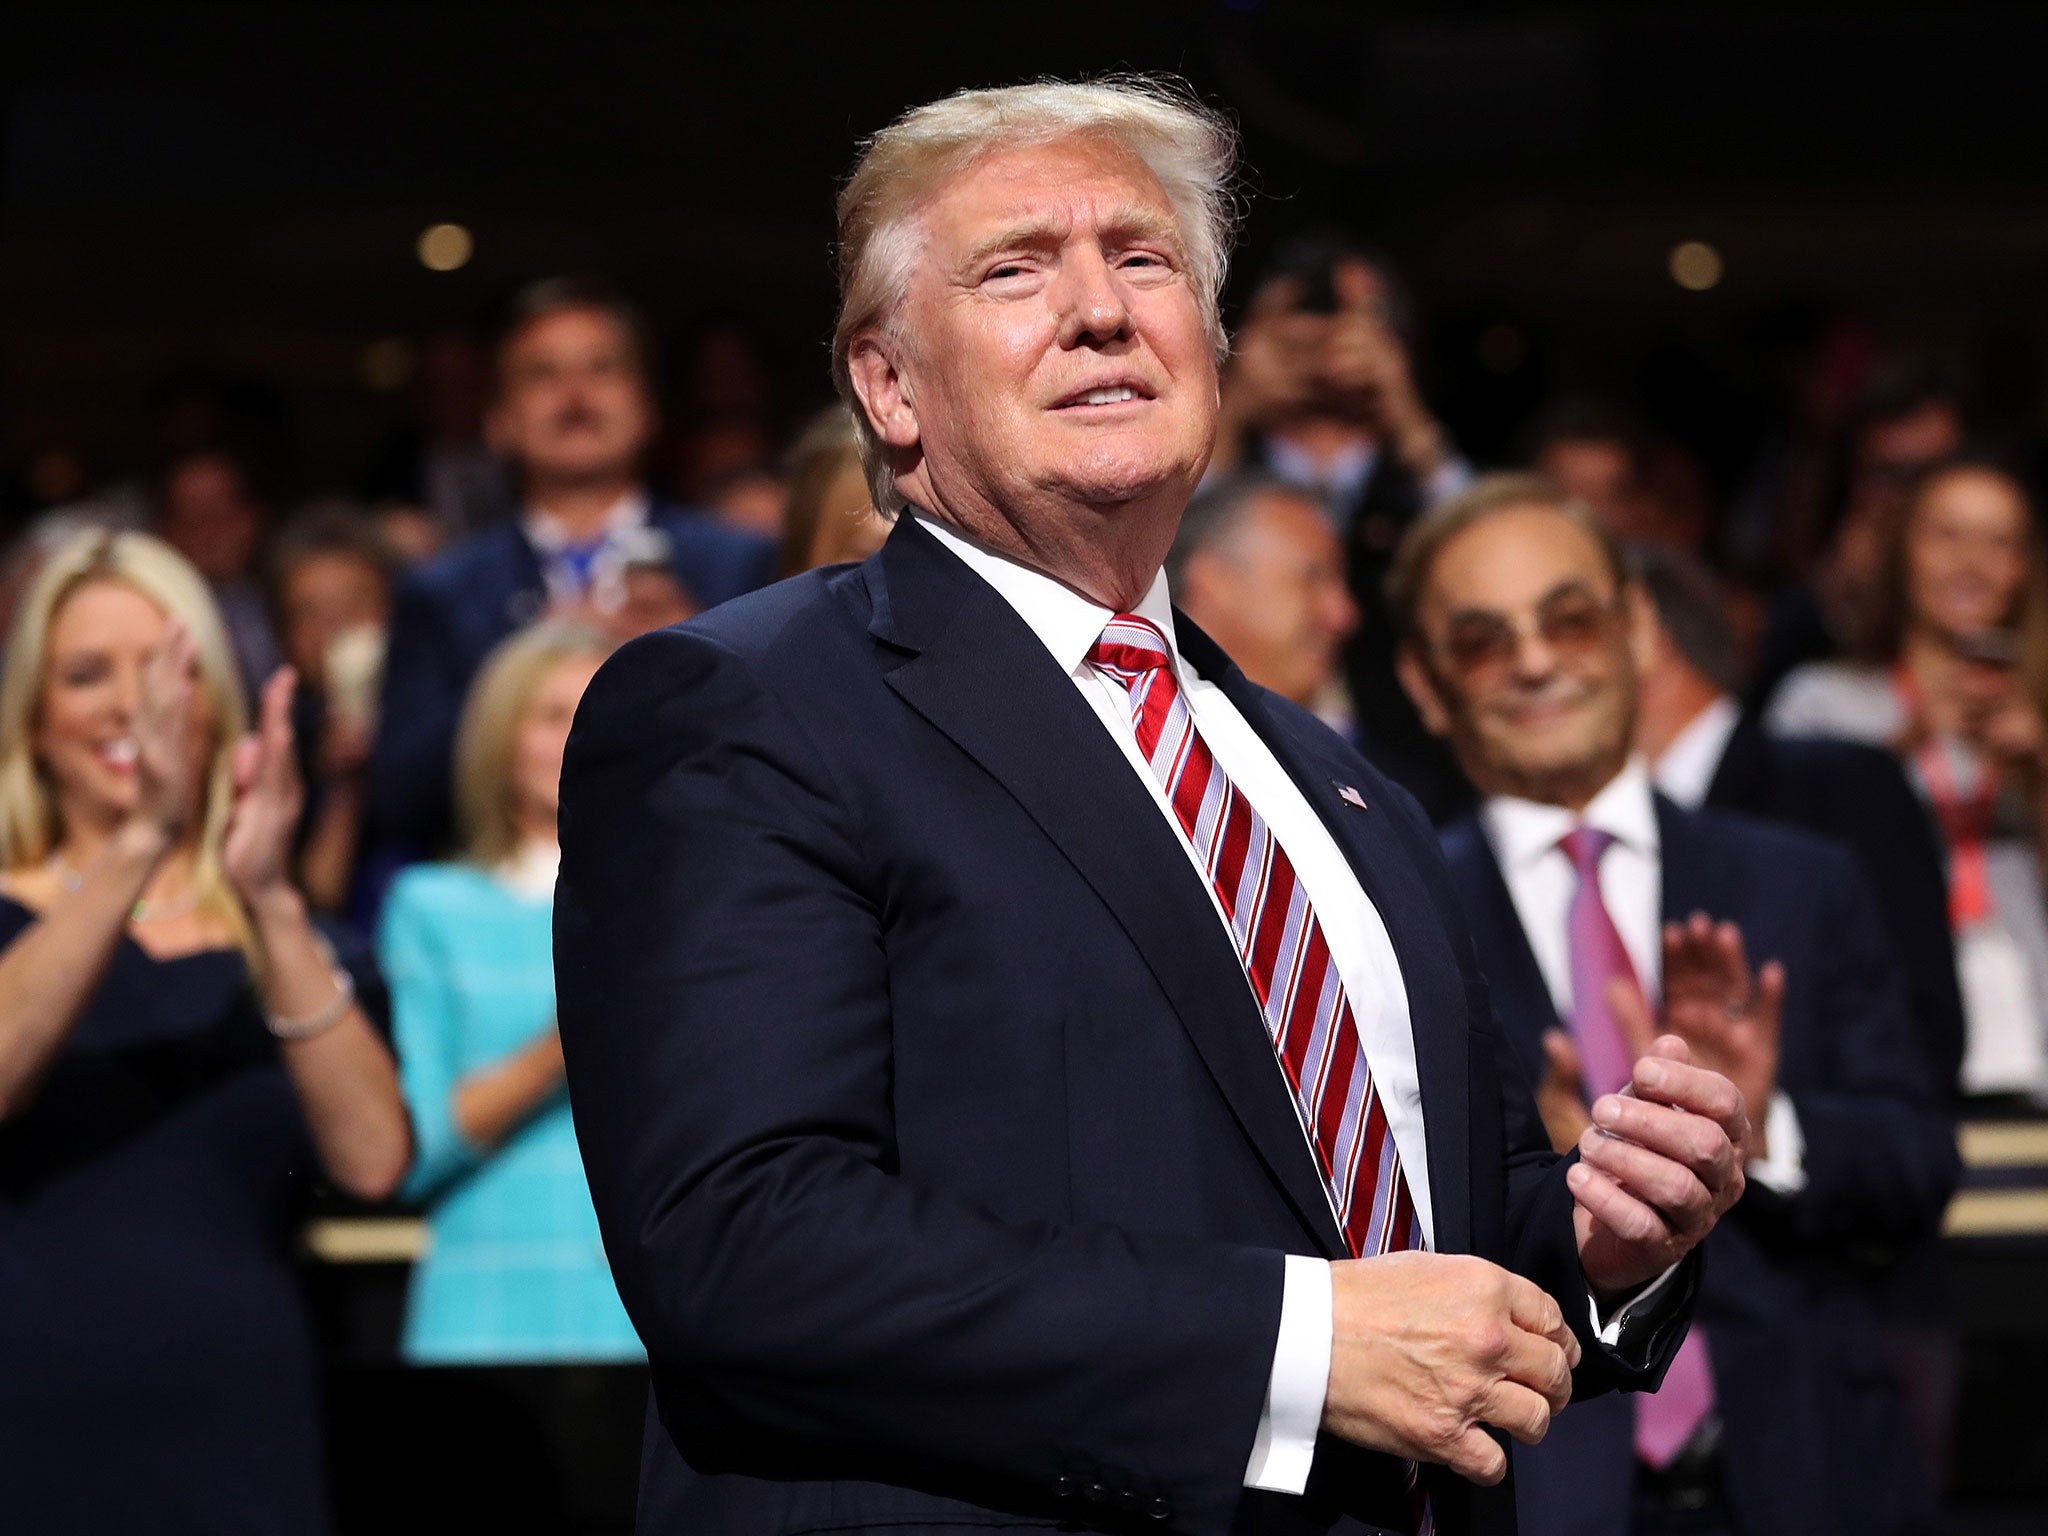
{"x":1566,"y":587}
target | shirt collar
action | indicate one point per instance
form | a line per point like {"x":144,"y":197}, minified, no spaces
{"x":1066,"y":623}
{"x":546,"y":533}
{"x":1523,"y":831}
{"x":1686,"y":768}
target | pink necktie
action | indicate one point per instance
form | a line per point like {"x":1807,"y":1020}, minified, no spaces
{"x":1669,"y":1417}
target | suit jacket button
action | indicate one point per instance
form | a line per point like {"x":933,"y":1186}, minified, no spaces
{"x":1095,"y":1493}
{"x":1159,"y":1509}
{"x":1065,"y":1486}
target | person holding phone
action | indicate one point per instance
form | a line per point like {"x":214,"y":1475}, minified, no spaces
{"x":1952,"y":674}
{"x":1320,"y":392}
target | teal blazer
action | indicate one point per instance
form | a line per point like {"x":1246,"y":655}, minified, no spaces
{"x":514,"y":1270}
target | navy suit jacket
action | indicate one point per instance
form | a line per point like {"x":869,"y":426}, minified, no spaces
{"x":1814,"y":1439}
{"x":941,"y":1157}
{"x":1862,"y":799}
{"x":448,"y":615}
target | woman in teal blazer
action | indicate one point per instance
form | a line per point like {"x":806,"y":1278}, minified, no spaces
{"x":514,"y":1269}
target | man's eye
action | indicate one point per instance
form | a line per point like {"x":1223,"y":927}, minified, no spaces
{"x":1007,"y":269}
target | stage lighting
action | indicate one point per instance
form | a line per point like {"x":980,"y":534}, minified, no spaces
{"x":1695,"y":265}
{"x":444,"y":247}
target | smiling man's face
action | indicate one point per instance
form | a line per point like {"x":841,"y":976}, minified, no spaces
{"x":1049,"y":382}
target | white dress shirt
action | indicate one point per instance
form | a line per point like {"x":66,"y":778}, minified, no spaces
{"x":1541,"y":880}
{"x":1360,"y":948}
{"x":1685,"y":771}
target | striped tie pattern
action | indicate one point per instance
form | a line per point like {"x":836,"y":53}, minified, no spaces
{"x":1308,"y":1018}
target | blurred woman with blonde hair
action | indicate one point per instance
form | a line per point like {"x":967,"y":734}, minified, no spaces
{"x":829,"y":518}
{"x":515,"y":1271}
{"x":179,"y":1052}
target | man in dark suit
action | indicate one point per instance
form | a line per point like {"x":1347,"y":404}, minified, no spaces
{"x":573,"y":413}
{"x":1705,"y":751}
{"x":1026,"y":1074}
{"x":1525,"y":642}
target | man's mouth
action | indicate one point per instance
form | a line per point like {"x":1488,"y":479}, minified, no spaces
{"x":1104,"y":394}
{"x":118,"y":755}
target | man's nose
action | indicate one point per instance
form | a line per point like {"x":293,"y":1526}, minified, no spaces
{"x":1092,"y":307}
{"x":1535,"y":660}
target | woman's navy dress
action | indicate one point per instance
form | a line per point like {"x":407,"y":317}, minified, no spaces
{"x":157,"y":1370}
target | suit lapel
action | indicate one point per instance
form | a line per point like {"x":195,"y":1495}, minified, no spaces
{"x":1520,"y":994}
{"x":977,"y":673}
{"x":1371,"y":843}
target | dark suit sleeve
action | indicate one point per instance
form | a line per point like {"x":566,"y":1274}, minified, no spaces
{"x":1880,"y":1159}
{"x":411,"y":763}
{"x":723,"y":973}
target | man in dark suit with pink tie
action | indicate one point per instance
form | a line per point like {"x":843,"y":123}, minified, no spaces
{"x":1587,"y":892}
{"x":1029,"y":1076}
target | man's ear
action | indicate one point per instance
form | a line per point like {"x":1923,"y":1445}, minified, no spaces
{"x":1421,"y":686}
{"x":884,"y":392}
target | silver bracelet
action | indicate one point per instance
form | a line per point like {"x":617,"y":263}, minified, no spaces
{"x":326,"y":1018}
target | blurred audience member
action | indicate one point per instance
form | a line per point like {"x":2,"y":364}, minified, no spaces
{"x":1951,"y":673}
{"x":437,"y":460}
{"x":178,"y":1050}
{"x":409,"y":532}
{"x":1907,"y":422}
{"x":1320,"y":390}
{"x":331,"y":592}
{"x":1588,"y":897}
{"x":515,"y":1270}
{"x":830,"y":518}
{"x":573,"y":412}
{"x":1638,"y":484}
{"x":1257,"y":565}
{"x":208,"y":511}
{"x":1705,"y":751}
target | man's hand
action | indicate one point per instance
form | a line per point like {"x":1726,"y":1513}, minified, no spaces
{"x":1660,"y":1165}
{"x":1561,"y":1096}
{"x":1727,"y":1015}
{"x":1430,"y":1347}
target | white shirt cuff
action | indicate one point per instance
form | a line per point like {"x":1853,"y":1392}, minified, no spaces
{"x":1784,"y":1170}
{"x":1285,"y":1445}
{"x":1609,"y":1332}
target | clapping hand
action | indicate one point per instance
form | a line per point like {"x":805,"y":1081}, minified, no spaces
{"x":1663,"y":1160}
{"x":1561,"y":1095}
{"x":168,"y":772}
{"x":268,"y":798}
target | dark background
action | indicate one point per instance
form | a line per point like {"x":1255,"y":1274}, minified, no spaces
{"x":238,"y":188}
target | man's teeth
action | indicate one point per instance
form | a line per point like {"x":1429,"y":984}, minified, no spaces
{"x":1109,"y":396}
{"x":122,"y":751}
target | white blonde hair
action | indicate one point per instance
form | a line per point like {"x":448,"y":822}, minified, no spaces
{"x":29,"y":823}
{"x":488,"y":736}
{"x":1189,"y":147}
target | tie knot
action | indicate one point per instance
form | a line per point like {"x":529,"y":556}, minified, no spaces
{"x":1129,"y":647}
{"x":1583,"y":846}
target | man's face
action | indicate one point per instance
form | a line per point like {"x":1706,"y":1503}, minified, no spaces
{"x":1528,"y":657}
{"x":209,"y":517}
{"x":572,"y":403}
{"x":1050,"y":362}
{"x":1272,"y":594}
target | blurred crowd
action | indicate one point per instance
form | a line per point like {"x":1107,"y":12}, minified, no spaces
{"x":354,"y":802}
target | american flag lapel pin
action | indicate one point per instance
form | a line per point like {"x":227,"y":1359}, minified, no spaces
{"x":1349,"y":795}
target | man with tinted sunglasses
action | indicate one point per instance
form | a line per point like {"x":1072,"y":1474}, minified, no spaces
{"x":1602,"y":913}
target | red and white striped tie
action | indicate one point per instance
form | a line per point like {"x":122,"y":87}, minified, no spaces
{"x":1308,"y":1017}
